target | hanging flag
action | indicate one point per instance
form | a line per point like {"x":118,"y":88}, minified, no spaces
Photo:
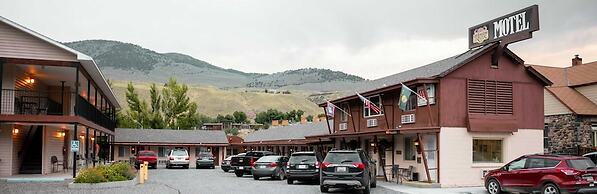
{"x":330,"y":108}
{"x":405,"y":94}
{"x":370,"y":104}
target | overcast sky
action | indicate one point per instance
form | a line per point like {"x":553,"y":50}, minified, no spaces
{"x":371,"y":39}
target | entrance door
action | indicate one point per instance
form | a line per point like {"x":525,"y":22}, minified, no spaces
{"x":430,"y":149}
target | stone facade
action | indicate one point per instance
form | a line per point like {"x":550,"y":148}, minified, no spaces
{"x":568,"y":134}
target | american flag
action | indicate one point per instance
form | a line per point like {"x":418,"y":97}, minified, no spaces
{"x":422,"y":93}
{"x":369,"y":104}
{"x":330,"y":109}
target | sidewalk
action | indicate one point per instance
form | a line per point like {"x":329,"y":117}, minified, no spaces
{"x":415,"y":190}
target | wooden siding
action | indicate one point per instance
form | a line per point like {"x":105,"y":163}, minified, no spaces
{"x":18,"y":44}
{"x":527,"y":92}
{"x":553,"y":106}
{"x":6,"y":153}
{"x":589,"y":91}
{"x":17,"y":144}
{"x":52,"y":147}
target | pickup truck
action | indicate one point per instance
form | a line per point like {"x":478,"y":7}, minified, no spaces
{"x":242,"y":164}
{"x":147,"y":156}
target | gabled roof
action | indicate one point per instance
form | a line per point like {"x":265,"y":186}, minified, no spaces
{"x":574,"y":100}
{"x":86,"y":61}
{"x":290,"y":132}
{"x":170,"y":136}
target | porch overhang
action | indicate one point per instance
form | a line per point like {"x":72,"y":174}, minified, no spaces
{"x":169,"y":144}
{"x":52,"y":119}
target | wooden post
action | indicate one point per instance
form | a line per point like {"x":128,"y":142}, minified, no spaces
{"x":93,"y":147}
{"x":74,"y":153}
{"x":424,"y":157}
{"x":86,"y":146}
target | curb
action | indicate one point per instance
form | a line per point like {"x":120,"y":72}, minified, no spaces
{"x":35,"y":180}
{"x":106,"y":185}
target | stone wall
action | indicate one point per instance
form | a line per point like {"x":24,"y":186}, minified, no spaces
{"x":568,"y":133}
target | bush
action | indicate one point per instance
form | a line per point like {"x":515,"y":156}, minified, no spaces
{"x":120,"y":171}
{"x":90,"y":175}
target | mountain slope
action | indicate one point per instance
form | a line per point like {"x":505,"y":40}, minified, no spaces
{"x":301,"y":76}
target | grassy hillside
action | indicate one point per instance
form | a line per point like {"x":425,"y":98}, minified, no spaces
{"x":213,"y":101}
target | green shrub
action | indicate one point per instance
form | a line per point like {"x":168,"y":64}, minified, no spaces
{"x":90,"y":175}
{"x":124,"y":169}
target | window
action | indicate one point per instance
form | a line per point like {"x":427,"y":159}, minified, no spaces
{"x":594,"y":133}
{"x":485,"y":150}
{"x":121,"y":151}
{"x":517,"y":164}
{"x":489,"y":97}
{"x":161,"y":152}
{"x":410,"y":152}
{"x":430,"y":95}
{"x":375,"y":100}
{"x":541,"y":163}
{"x":343,"y":115}
{"x":411,"y":104}
{"x":199,"y":150}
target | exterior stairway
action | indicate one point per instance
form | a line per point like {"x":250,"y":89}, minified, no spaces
{"x":32,"y":155}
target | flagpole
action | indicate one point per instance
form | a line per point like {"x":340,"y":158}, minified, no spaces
{"x":414,"y":91}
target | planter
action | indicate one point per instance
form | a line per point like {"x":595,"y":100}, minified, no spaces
{"x":105,"y":185}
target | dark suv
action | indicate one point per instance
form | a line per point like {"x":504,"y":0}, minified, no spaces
{"x":303,"y":166}
{"x":243,"y":164}
{"x":351,"y":169}
{"x":547,"y":174}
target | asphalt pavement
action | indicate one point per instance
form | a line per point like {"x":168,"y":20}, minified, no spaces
{"x":191,"y":181}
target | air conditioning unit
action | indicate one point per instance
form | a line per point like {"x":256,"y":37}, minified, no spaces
{"x":371,"y":122}
{"x":343,"y":126}
{"x":409,"y":118}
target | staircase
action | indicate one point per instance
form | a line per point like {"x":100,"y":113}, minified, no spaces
{"x":32,"y":151}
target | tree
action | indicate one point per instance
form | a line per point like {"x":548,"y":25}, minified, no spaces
{"x":240,"y":117}
{"x":176,"y":105}
{"x":231,"y":131}
{"x":310,"y":118}
{"x":137,"y":115}
{"x":157,"y":120}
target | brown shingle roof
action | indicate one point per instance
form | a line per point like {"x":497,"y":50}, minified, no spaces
{"x":574,"y":100}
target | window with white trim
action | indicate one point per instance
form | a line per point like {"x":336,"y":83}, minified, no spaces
{"x":375,"y":100}
{"x":487,"y":151}
{"x":343,"y":115}
{"x":430,"y":95}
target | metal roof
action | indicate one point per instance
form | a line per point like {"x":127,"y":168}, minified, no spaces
{"x":290,"y":132}
{"x":126,"y":135}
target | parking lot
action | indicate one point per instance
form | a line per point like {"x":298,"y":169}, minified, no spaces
{"x":209,"y":181}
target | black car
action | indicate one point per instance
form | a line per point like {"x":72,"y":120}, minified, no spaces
{"x":205,"y":160}
{"x":303,"y":166}
{"x":350,"y":169}
{"x":243,"y":164}
{"x":270,"y":166}
{"x":226,"y":162}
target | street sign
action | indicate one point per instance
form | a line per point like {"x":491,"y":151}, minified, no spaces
{"x":514,"y":27}
{"x":74,"y":145}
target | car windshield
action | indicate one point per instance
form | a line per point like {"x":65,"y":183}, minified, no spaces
{"x":268,"y":159}
{"x":179,"y":153}
{"x":302,"y":158}
{"x":258,"y":154}
{"x":342,"y":157}
{"x":581,"y":164}
{"x":205,"y":155}
{"x":146,"y":154}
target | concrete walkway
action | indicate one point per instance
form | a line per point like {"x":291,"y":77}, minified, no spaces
{"x":402,"y":189}
{"x":38,"y":178}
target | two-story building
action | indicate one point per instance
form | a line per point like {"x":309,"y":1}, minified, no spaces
{"x":50,"y":96}
{"x":480,"y":116}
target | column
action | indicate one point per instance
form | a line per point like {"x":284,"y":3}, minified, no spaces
{"x":74,"y":153}
{"x":86,"y":146}
{"x":93,"y":147}
{"x":1,"y":78}
{"x":111,"y":148}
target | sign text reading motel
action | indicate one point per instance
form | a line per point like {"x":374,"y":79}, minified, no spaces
{"x":513,"y":27}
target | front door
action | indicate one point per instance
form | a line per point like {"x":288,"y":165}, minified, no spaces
{"x":512,"y":179}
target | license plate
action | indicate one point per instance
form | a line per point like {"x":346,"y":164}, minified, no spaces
{"x":590,"y":178}
{"x":241,"y":168}
{"x":341,"y":169}
{"x":260,"y":166}
{"x":240,"y":160}
{"x":302,"y":166}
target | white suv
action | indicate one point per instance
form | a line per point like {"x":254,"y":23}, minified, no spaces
{"x":178,"y":157}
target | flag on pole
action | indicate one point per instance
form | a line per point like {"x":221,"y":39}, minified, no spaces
{"x":331,"y":108}
{"x":370,"y":104}
{"x":405,"y":94}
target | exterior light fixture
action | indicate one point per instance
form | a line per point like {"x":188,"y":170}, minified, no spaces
{"x":30,"y":80}
{"x":15,"y":131}
{"x":416,"y":142}
{"x":92,"y":138}
{"x":82,"y":136}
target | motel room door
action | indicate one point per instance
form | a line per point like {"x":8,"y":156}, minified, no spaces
{"x":430,"y":149}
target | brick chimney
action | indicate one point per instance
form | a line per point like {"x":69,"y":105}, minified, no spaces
{"x":285,"y":122}
{"x":303,"y":120}
{"x":576,"y":60}
{"x":274,"y":123}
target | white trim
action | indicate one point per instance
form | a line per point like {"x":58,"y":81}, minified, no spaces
{"x":380,"y":107}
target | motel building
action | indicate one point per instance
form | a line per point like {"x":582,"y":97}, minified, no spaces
{"x":286,"y":139}
{"x":480,"y":116}
{"x":129,"y":141}
{"x":51,"y":96}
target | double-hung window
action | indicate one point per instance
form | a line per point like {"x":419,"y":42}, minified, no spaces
{"x":367,"y":112}
{"x":343,"y":115}
{"x":430,"y":95}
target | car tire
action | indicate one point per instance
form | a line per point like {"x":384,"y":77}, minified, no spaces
{"x":226,"y":170}
{"x":289,"y":181}
{"x":367,"y":189}
{"x":374,"y":183}
{"x":255,"y":177}
{"x":197,"y":167}
{"x":212,"y":167}
{"x":323,"y":189}
{"x":493,"y":187}
{"x":238,"y":173}
{"x":167,"y":166}
{"x":186,"y":166}
{"x":550,"y":188}
{"x":281,"y":176}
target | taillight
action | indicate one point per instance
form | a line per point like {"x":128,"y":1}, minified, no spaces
{"x":317,"y":164}
{"x":252,"y":162}
{"x":272,"y":165}
{"x":288,"y":165}
{"x":359,"y":165}
{"x":186,"y":158}
{"x":570,"y":172}
{"x":171,"y":158}
{"x":325,"y":164}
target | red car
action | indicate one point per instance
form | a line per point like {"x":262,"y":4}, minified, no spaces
{"x":547,"y":174}
{"x":147,"y":156}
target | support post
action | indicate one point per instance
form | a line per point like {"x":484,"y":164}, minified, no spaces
{"x":94,"y":143}
{"x":75,"y":153}
{"x":86,"y":147}
{"x":111,"y":148}
{"x":423,"y":154}
{"x":1,"y":78}
{"x":62,"y":97}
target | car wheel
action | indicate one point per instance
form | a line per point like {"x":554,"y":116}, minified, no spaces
{"x":197,"y":167}
{"x":167,"y":166}
{"x":255,"y":177}
{"x":493,"y":187}
{"x":212,"y":167}
{"x":281,"y":176}
{"x":323,"y":189}
{"x":374,"y":183}
{"x":226,"y":170}
{"x":187,"y":166}
{"x":367,"y":189}
{"x":550,"y":188}
{"x":238,"y":173}
{"x":289,"y":181}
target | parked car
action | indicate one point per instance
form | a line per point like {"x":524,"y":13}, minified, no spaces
{"x":592,"y":156}
{"x":147,"y":156}
{"x":270,"y":166}
{"x":205,"y":159}
{"x":226,"y":162}
{"x":178,"y":157}
{"x":547,"y":174}
{"x":242,"y":164}
{"x":350,"y":169}
{"x":303,"y":166}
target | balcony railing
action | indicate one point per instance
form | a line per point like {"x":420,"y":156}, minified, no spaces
{"x":30,"y":102}
{"x":90,"y":112}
